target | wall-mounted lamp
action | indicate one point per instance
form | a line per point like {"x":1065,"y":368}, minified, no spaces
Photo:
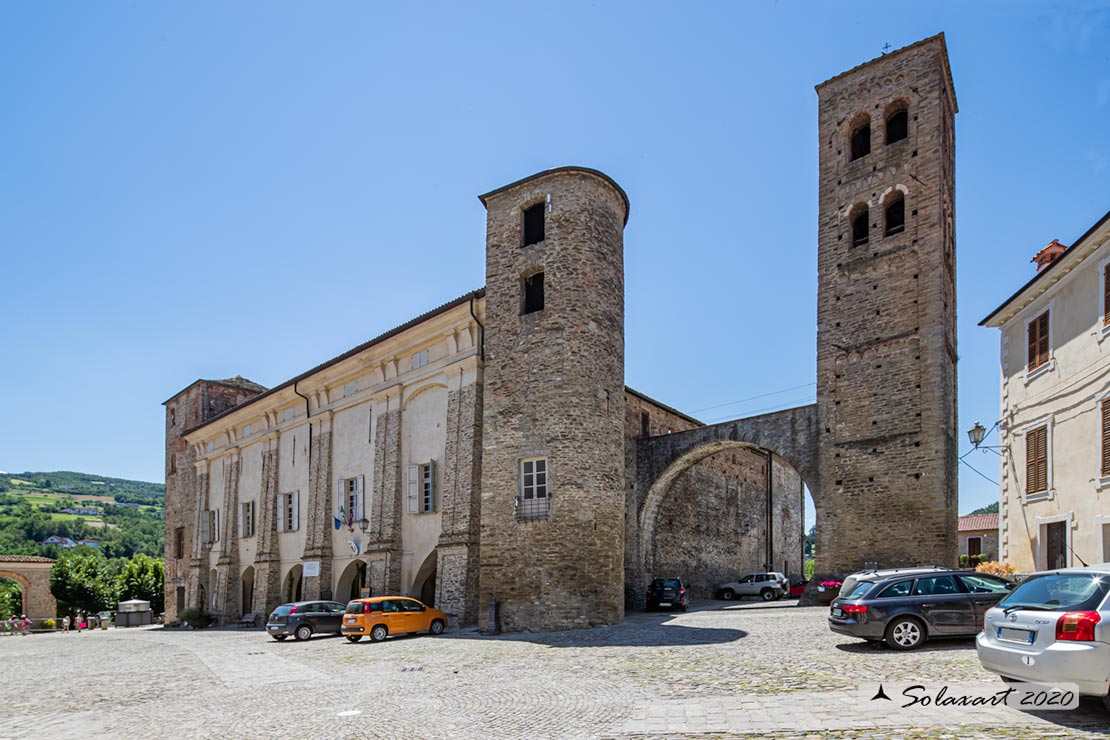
{"x":976,"y":434}
{"x":364,"y":524}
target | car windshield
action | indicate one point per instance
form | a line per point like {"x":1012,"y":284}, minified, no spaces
{"x":978,"y":584}
{"x":860,"y":590}
{"x":671,"y":583}
{"x":1060,"y":592}
{"x":355,"y":607}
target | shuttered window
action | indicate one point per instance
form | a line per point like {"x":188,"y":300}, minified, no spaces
{"x":246,"y":519}
{"x":1038,"y":341}
{"x":289,"y":511}
{"x":1036,"y":460}
{"x":1106,"y":296}
{"x":1105,"y":405}
{"x":422,"y":488}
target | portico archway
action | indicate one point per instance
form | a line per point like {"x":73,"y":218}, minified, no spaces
{"x":32,"y":573}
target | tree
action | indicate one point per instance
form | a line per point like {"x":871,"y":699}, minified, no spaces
{"x":989,"y":509}
{"x":83,"y":582}
{"x":143,"y":578}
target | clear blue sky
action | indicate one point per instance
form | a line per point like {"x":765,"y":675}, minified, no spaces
{"x":206,"y":190}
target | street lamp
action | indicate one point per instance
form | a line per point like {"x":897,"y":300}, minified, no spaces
{"x":976,"y":434}
{"x":364,"y":524}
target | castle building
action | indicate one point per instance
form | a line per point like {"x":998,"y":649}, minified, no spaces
{"x":488,"y":451}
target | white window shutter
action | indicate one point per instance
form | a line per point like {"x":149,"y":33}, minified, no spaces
{"x":204,"y":533}
{"x":281,"y":504}
{"x":414,"y":488}
{"x":296,"y":523}
{"x":341,"y":497}
{"x":360,"y":508}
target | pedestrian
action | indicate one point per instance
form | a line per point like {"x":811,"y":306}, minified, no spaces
{"x":65,"y":624}
{"x":77,"y":620}
{"x":25,"y":625}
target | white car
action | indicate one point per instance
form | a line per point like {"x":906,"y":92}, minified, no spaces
{"x":767,"y":586}
{"x":1054,"y":627}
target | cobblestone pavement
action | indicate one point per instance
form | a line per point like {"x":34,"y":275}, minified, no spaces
{"x":748,"y":669}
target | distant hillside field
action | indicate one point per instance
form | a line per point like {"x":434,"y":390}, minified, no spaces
{"x":33,"y":507}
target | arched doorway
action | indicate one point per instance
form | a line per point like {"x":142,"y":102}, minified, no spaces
{"x":247,"y":582}
{"x":351,"y":581}
{"x":28,"y":579}
{"x":11,"y":597}
{"x":722,"y":509}
{"x":424,"y":584}
{"x":291,"y":586}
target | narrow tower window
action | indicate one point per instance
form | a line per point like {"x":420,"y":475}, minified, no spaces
{"x":533,"y":224}
{"x":896,"y":216}
{"x":861,"y":141}
{"x":533,"y":293}
{"x":897,"y":126}
{"x":859,"y":228}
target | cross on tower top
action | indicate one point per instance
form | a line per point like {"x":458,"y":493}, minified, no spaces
{"x":886,"y":48}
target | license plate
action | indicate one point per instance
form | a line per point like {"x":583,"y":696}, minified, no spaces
{"x":837,"y":611}
{"x":1012,"y":635}
{"x":664,"y":603}
{"x":351,"y":620}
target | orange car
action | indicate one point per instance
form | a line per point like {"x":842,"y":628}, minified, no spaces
{"x":381,"y":616}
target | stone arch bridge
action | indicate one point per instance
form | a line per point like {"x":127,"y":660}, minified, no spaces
{"x":791,"y":434}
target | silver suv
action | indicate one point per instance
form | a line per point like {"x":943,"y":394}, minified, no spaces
{"x":1055,"y":626}
{"x":767,"y":586}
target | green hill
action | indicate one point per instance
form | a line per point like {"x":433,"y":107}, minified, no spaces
{"x":123,"y":516}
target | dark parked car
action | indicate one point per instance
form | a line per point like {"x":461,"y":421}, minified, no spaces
{"x":305,"y":619}
{"x":667,"y":592}
{"x":907,"y":607}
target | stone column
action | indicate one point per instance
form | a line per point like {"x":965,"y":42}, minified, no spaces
{"x":267,"y":562}
{"x":198,"y":563}
{"x":460,"y":502}
{"x":383,"y":537}
{"x":227,"y":564}
{"x":319,"y":520}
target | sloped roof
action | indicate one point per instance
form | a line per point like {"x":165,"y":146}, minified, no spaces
{"x":24,"y":559}
{"x":977,"y":522}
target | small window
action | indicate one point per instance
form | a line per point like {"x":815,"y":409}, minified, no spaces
{"x":419,"y":360}
{"x":422,"y":488}
{"x":179,"y":542}
{"x":897,"y":126}
{"x":533,"y":293}
{"x":533,"y":224}
{"x":173,"y":416}
{"x":1036,"y":460}
{"x":860,"y":228}
{"x":288,"y":514}
{"x":533,"y":501}
{"x":896,"y":216}
{"x":173,"y":464}
{"x":645,"y":424}
{"x":1038,"y":342}
{"x":861,"y":141}
{"x":246,"y":519}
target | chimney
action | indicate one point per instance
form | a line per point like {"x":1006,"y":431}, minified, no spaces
{"x":1049,"y":254}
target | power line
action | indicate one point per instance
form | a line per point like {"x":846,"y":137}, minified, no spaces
{"x":776,"y":407}
{"x":965,"y":462}
{"x":753,"y":398}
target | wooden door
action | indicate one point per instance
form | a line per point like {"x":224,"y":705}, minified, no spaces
{"x":1056,"y":545}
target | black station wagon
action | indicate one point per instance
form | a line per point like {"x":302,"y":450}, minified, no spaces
{"x":906,"y":607}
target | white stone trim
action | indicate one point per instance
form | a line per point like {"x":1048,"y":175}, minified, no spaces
{"x":1051,"y":364}
{"x":1101,"y":330}
{"x":1101,"y":522}
{"x":1041,"y":522}
{"x":1050,"y":492}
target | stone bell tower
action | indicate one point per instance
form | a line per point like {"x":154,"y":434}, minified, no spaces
{"x":886,"y":314}
{"x":552,"y":509}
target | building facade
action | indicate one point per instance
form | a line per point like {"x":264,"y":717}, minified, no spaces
{"x":1054,"y":418}
{"x":979,"y":536}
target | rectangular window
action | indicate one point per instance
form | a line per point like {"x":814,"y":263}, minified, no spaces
{"x":209,"y":525}
{"x":645,"y":424}
{"x":422,"y":488}
{"x":534,"y":224}
{"x":179,"y":542}
{"x":534,"y":501}
{"x":288,"y":511}
{"x":349,"y":504}
{"x":1038,"y":342}
{"x":1036,"y":460}
{"x":532,"y":294}
{"x":419,"y":360}
{"x":1105,"y":408}
{"x":246,"y":519}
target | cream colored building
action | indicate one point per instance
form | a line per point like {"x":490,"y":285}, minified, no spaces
{"x":1055,"y":408}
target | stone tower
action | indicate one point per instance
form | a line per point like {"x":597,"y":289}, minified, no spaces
{"x":552,"y":496}
{"x":886,"y":314}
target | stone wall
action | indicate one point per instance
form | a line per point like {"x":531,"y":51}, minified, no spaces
{"x":886,"y":341}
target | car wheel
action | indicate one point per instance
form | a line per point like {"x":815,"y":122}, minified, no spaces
{"x":437,"y":627}
{"x":353,"y":638}
{"x":728,"y":594}
{"x":379,"y":633}
{"x":767,"y":594}
{"x":684,"y":607}
{"x":905,"y":633}
{"x":279,"y":638}
{"x":303,"y":632}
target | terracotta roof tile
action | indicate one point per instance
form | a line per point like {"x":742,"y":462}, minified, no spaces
{"x":24,"y":559}
{"x":976,"y":522}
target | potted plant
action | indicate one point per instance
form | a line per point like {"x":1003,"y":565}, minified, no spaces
{"x":197,"y":618}
{"x":828,"y":590}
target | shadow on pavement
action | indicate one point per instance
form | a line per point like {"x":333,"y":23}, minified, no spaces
{"x":932,"y":646}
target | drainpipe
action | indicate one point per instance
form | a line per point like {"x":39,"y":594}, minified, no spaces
{"x":770,"y":508}
{"x":308,"y":416}
{"x":481,"y":333}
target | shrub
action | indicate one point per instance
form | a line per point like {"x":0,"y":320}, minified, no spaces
{"x":194,"y":615}
{"x":995,"y":568}
{"x":49,"y":624}
{"x":964,"y":561}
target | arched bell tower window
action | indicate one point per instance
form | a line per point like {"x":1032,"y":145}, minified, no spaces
{"x":860,"y":226}
{"x":533,"y":225}
{"x":897,"y":125}
{"x":895,"y":215}
{"x":861,"y":138}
